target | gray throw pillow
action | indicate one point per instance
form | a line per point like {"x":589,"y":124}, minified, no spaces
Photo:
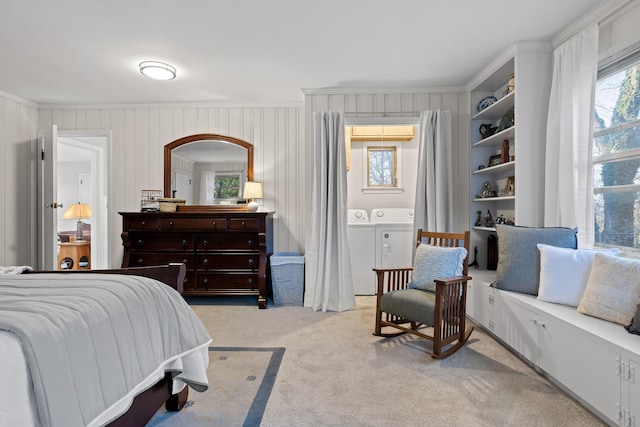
{"x":518,"y":256}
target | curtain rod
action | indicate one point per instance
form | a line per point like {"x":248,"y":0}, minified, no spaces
{"x":384,"y":113}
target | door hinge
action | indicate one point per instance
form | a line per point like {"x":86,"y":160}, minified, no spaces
{"x":42,"y":153}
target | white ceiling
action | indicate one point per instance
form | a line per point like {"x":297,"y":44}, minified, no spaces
{"x":259,"y":52}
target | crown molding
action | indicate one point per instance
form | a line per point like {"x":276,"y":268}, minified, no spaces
{"x":601,"y":14}
{"x":380,"y":90}
{"x":16,"y":98}
{"x":207,"y":105}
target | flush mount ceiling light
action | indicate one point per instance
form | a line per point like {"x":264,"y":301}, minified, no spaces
{"x":158,"y":70}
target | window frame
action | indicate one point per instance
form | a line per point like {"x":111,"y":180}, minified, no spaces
{"x":605,"y":70}
{"x":397,"y":147}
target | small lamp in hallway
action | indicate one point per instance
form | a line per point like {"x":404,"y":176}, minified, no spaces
{"x":78,"y":211}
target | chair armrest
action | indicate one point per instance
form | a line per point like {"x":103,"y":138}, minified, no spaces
{"x":454,"y":279}
{"x":391,"y":279}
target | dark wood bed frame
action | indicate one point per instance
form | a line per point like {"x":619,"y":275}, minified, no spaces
{"x":147,"y":403}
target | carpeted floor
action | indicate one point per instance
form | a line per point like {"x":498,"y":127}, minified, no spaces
{"x":240,"y":382}
{"x":336,"y":373}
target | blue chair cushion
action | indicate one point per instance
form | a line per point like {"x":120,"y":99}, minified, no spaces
{"x":410,"y":304}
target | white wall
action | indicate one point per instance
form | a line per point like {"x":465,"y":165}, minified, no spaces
{"x":356,"y":178}
{"x":139,"y":135}
{"x":379,"y":104}
{"x":18,"y":132}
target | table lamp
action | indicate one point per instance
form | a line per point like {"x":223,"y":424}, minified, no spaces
{"x":79,"y":211}
{"x":252,"y":191}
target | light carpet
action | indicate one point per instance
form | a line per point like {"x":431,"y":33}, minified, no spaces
{"x":240,"y":382}
{"x":336,"y":373}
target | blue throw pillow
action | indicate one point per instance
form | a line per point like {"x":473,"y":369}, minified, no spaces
{"x":518,"y":256}
{"x":435,"y":262}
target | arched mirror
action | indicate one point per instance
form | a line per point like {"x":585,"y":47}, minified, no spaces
{"x":207,"y":169}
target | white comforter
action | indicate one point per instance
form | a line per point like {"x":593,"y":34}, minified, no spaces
{"x":120,"y":335}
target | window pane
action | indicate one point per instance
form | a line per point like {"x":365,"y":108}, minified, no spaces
{"x":616,"y":176}
{"x":227,"y":187}
{"x":617,"y":218}
{"x":617,"y":98}
{"x":617,"y":142}
{"x":381,"y":166}
{"x":624,"y":172}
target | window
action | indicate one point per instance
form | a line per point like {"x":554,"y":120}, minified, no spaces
{"x":227,"y":186}
{"x":616,"y":154}
{"x":382,"y":167}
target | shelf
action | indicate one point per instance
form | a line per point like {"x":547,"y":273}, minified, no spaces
{"x":484,"y":228}
{"x":496,"y":110}
{"x":494,"y":199}
{"x":503,"y":167}
{"x":497,"y":138}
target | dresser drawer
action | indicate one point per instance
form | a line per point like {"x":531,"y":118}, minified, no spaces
{"x":227,"y":261}
{"x":231,"y":241}
{"x":193,"y":224}
{"x":141,"y":223}
{"x":244,"y":224}
{"x":222,"y":281}
{"x":142,"y":259}
{"x":161,"y":242}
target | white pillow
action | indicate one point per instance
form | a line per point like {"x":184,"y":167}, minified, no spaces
{"x":613,"y":289}
{"x":564,"y":273}
{"x":435,"y":262}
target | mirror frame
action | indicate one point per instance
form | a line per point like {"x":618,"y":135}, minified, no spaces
{"x":199,"y":137}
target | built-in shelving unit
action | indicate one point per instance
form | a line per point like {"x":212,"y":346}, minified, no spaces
{"x":530,"y":63}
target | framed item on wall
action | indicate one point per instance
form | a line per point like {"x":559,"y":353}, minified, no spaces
{"x":494,"y":160}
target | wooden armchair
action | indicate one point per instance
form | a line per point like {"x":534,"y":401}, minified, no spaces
{"x":407,"y":309}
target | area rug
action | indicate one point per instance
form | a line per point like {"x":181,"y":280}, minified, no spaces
{"x":240,"y":382}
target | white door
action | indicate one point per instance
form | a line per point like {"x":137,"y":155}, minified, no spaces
{"x":47,"y":198}
{"x":183,"y":187}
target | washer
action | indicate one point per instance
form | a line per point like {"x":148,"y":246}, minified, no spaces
{"x":394,"y":239}
{"x":361,"y":237}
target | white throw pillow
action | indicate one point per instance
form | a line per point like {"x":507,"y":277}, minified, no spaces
{"x":435,"y":262}
{"x":564,"y":273}
{"x":613,"y":289}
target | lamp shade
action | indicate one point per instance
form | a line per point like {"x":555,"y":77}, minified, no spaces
{"x":77,"y":211}
{"x":252,"y":190}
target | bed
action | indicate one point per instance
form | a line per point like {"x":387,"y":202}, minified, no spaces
{"x":96,"y":348}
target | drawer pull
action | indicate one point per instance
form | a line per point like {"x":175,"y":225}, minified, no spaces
{"x":214,"y":224}
{"x":244,"y":224}
{"x":140,"y":261}
{"x":170,"y":224}
{"x":250,"y":281}
{"x":184,"y":243}
{"x":143,"y":224}
{"x":251,"y":262}
{"x":206,"y":261}
{"x":140,"y":242}
{"x":206,"y":243}
{"x":250,"y":243}
{"x":205,"y":281}
{"x":184,"y":261}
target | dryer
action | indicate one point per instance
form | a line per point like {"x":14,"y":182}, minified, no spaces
{"x":360,"y":233}
{"x":394,"y":239}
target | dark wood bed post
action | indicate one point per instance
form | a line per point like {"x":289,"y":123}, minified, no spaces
{"x":147,"y":403}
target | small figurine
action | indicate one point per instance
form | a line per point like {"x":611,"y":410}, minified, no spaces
{"x":488,"y":221}
{"x":504,"y":151}
{"x":486,"y":189}
{"x":478,"y":222}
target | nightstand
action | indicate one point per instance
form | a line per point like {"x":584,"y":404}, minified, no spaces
{"x":75,"y":256}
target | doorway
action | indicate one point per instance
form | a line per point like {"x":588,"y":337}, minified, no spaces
{"x":76,"y":168}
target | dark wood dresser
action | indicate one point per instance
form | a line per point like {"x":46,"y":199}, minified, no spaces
{"x":225,"y":252}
